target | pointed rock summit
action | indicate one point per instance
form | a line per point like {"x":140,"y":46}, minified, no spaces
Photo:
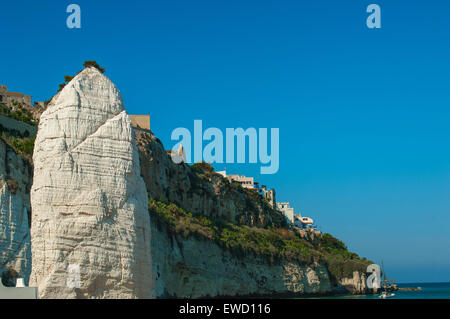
{"x":90,"y":224}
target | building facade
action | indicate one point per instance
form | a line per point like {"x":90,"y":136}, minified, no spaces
{"x":140,"y":121}
{"x":244,"y":181}
{"x":9,"y":97}
{"x":3,"y":91}
{"x":304,"y":222}
{"x":287,"y":211}
{"x":269,"y":195}
{"x":249,"y":183}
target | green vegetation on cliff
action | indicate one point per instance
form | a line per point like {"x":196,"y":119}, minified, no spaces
{"x":341,"y":263}
{"x":21,"y":145}
{"x":68,"y":78}
{"x":21,"y":142}
{"x":241,"y":239}
{"x":256,"y":210}
{"x":19,"y":113}
{"x":271,"y":242}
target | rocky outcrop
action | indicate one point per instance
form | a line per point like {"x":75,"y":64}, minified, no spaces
{"x":211,"y":195}
{"x":91,"y":233}
{"x":355,"y":285}
{"x":196,"y":268}
{"x":15,"y":182}
{"x":90,"y":226}
{"x":193,"y":268}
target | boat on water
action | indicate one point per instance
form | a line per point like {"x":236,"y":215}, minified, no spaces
{"x":387,"y":286}
{"x":386,"y":294}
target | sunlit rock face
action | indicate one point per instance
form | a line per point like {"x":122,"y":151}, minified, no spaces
{"x":90,"y":225}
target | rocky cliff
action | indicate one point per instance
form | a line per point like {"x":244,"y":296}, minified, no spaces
{"x":192,"y":264}
{"x":90,"y":226}
{"x":212,"y":238}
{"x":114,"y":217}
{"x":198,"y":189}
{"x":193,"y":267}
{"x":15,"y":183}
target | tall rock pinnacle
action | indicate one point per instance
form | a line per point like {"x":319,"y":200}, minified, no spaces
{"x":90,"y":225}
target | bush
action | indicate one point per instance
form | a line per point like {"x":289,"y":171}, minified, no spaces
{"x":9,"y":277}
{"x":273,"y":243}
{"x":21,"y":114}
{"x":203,"y":170}
{"x":13,"y":186}
{"x":237,"y":186}
{"x":329,"y":243}
{"x":202,"y":167}
{"x":61,"y":87}
{"x":68,"y":78}
{"x":339,"y":267}
{"x":94,"y":64}
{"x":21,"y":145}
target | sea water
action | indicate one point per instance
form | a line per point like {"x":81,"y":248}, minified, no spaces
{"x":440,"y":290}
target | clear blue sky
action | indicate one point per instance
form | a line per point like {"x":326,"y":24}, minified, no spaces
{"x":363,"y":114}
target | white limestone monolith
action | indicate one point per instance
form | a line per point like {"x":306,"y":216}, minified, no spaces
{"x":90,"y":232}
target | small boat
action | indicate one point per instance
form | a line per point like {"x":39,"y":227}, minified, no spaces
{"x":386,"y":294}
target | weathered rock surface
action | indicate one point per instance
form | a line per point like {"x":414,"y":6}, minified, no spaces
{"x":90,"y":226}
{"x":15,"y":182}
{"x":212,"y":195}
{"x":192,"y":268}
{"x":354,"y":285}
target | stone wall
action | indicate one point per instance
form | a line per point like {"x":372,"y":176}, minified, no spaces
{"x":140,"y":121}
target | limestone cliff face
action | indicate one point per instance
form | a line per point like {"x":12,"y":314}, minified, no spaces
{"x":15,"y":182}
{"x":90,"y":226}
{"x":91,"y":232}
{"x":355,"y":285}
{"x":192,"y":268}
{"x":195,"y":268}
{"x":211,"y":195}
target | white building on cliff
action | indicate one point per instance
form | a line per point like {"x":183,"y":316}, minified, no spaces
{"x":295,"y":219}
{"x":287,"y":211}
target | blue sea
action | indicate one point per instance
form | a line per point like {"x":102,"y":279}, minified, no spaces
{"x":439,"y":290}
